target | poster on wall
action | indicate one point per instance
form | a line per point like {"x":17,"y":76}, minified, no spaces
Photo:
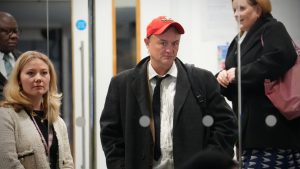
{"x":222,"y":51}
{"x":219,"y":20}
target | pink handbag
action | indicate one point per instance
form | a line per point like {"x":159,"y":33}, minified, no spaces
{"x":284,"y":93}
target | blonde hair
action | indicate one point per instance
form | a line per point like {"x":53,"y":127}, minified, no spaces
{"x":18,"y":100}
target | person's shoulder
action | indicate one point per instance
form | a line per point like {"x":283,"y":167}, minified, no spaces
{"x":204,"y":77}
{"x":60,"y":123}
{"x":8,"y":112}
{"x":60,"y":120}
{"x":123,"y":76}
{"x":271,"y":22}
{"x":139,"y":68}
{"x":203,"y":72}
{"x":126,"y":72}
{"x":7,"y":109}
{"x":17,"y":52}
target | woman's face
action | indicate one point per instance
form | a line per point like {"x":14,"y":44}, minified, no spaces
{"x":245,"y":14}
{"x":35,"y":78}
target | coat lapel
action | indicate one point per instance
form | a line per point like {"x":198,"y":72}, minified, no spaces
{"x":182,"y":89}
{"x":245,"y":47}
{"x":252,"y":37}
{"x":140,"y":87}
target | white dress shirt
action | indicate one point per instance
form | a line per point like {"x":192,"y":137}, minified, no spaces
{"x":168,"y":90}
{"x":2,"y":65}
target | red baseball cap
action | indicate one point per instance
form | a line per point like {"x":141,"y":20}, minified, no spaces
{"x":160,"y":24}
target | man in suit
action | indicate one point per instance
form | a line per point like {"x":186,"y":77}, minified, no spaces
{"x":151,"y":118}
{"x":9,"y":36}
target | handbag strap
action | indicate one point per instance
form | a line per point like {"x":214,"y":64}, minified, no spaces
{"x":297,"y":48}
{"x":199,"y":91}
{"x":262,"y":40}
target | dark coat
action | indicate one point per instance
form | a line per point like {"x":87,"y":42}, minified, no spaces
{"x":210,"y":160}
{"x":127,"y":144}
{"x":3,"y":79}
{"x":258,"y":63}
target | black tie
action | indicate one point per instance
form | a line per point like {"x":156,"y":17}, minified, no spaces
{"x":156,"y":114}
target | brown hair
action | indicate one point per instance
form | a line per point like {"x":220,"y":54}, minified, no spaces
{"x":264,"y":4}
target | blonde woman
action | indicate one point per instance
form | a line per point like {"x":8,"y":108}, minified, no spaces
{"x":33,"y":136}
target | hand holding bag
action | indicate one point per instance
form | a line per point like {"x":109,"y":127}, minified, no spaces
{"x":284,"y":92}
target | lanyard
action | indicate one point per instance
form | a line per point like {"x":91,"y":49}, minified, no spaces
{"x":50,"y":136}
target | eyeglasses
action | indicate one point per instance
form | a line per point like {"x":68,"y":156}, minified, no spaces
{"x":9,"y":32}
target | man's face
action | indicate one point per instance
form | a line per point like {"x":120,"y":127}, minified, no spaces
{"x":163,"y":49}
{"x":8,"y":34}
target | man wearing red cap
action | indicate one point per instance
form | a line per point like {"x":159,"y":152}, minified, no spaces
{"x":151,"y":118}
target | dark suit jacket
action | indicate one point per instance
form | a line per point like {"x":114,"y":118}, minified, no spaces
{"x":210,"y":160}
{"x":127,"y":144}
{"x":3,"y":79}
{"x":257,"y":64}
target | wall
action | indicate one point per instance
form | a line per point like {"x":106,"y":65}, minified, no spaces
{"x":288,"y":12}
{"x":207,"y":25}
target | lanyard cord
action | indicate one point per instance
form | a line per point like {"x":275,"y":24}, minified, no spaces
{"x":50,"y":136}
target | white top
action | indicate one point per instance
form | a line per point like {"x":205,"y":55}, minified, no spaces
{"x":2,"y":66}
{"x":168,"y":90}
{"x":242,"y":37}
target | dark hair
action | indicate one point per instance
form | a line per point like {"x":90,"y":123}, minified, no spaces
{"x":252,"y":2}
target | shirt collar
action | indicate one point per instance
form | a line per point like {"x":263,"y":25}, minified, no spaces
{"x":151,"y":72}
{"x":242,"y":37}
{"x":2,"y":55}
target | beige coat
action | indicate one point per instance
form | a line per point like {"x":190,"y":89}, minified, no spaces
{"x":21,"y":146}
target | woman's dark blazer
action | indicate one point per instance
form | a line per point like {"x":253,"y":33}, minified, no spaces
{"x":258,"y":63}
{"x":127,"y":144}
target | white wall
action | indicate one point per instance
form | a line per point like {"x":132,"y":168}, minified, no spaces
{"x":207,"y":24}
{"x":103,"y":65}
{"x":288,"y":12}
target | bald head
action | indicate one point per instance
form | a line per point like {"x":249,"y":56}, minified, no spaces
{"x":4,"y":17}
{"x":8,"y":32}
